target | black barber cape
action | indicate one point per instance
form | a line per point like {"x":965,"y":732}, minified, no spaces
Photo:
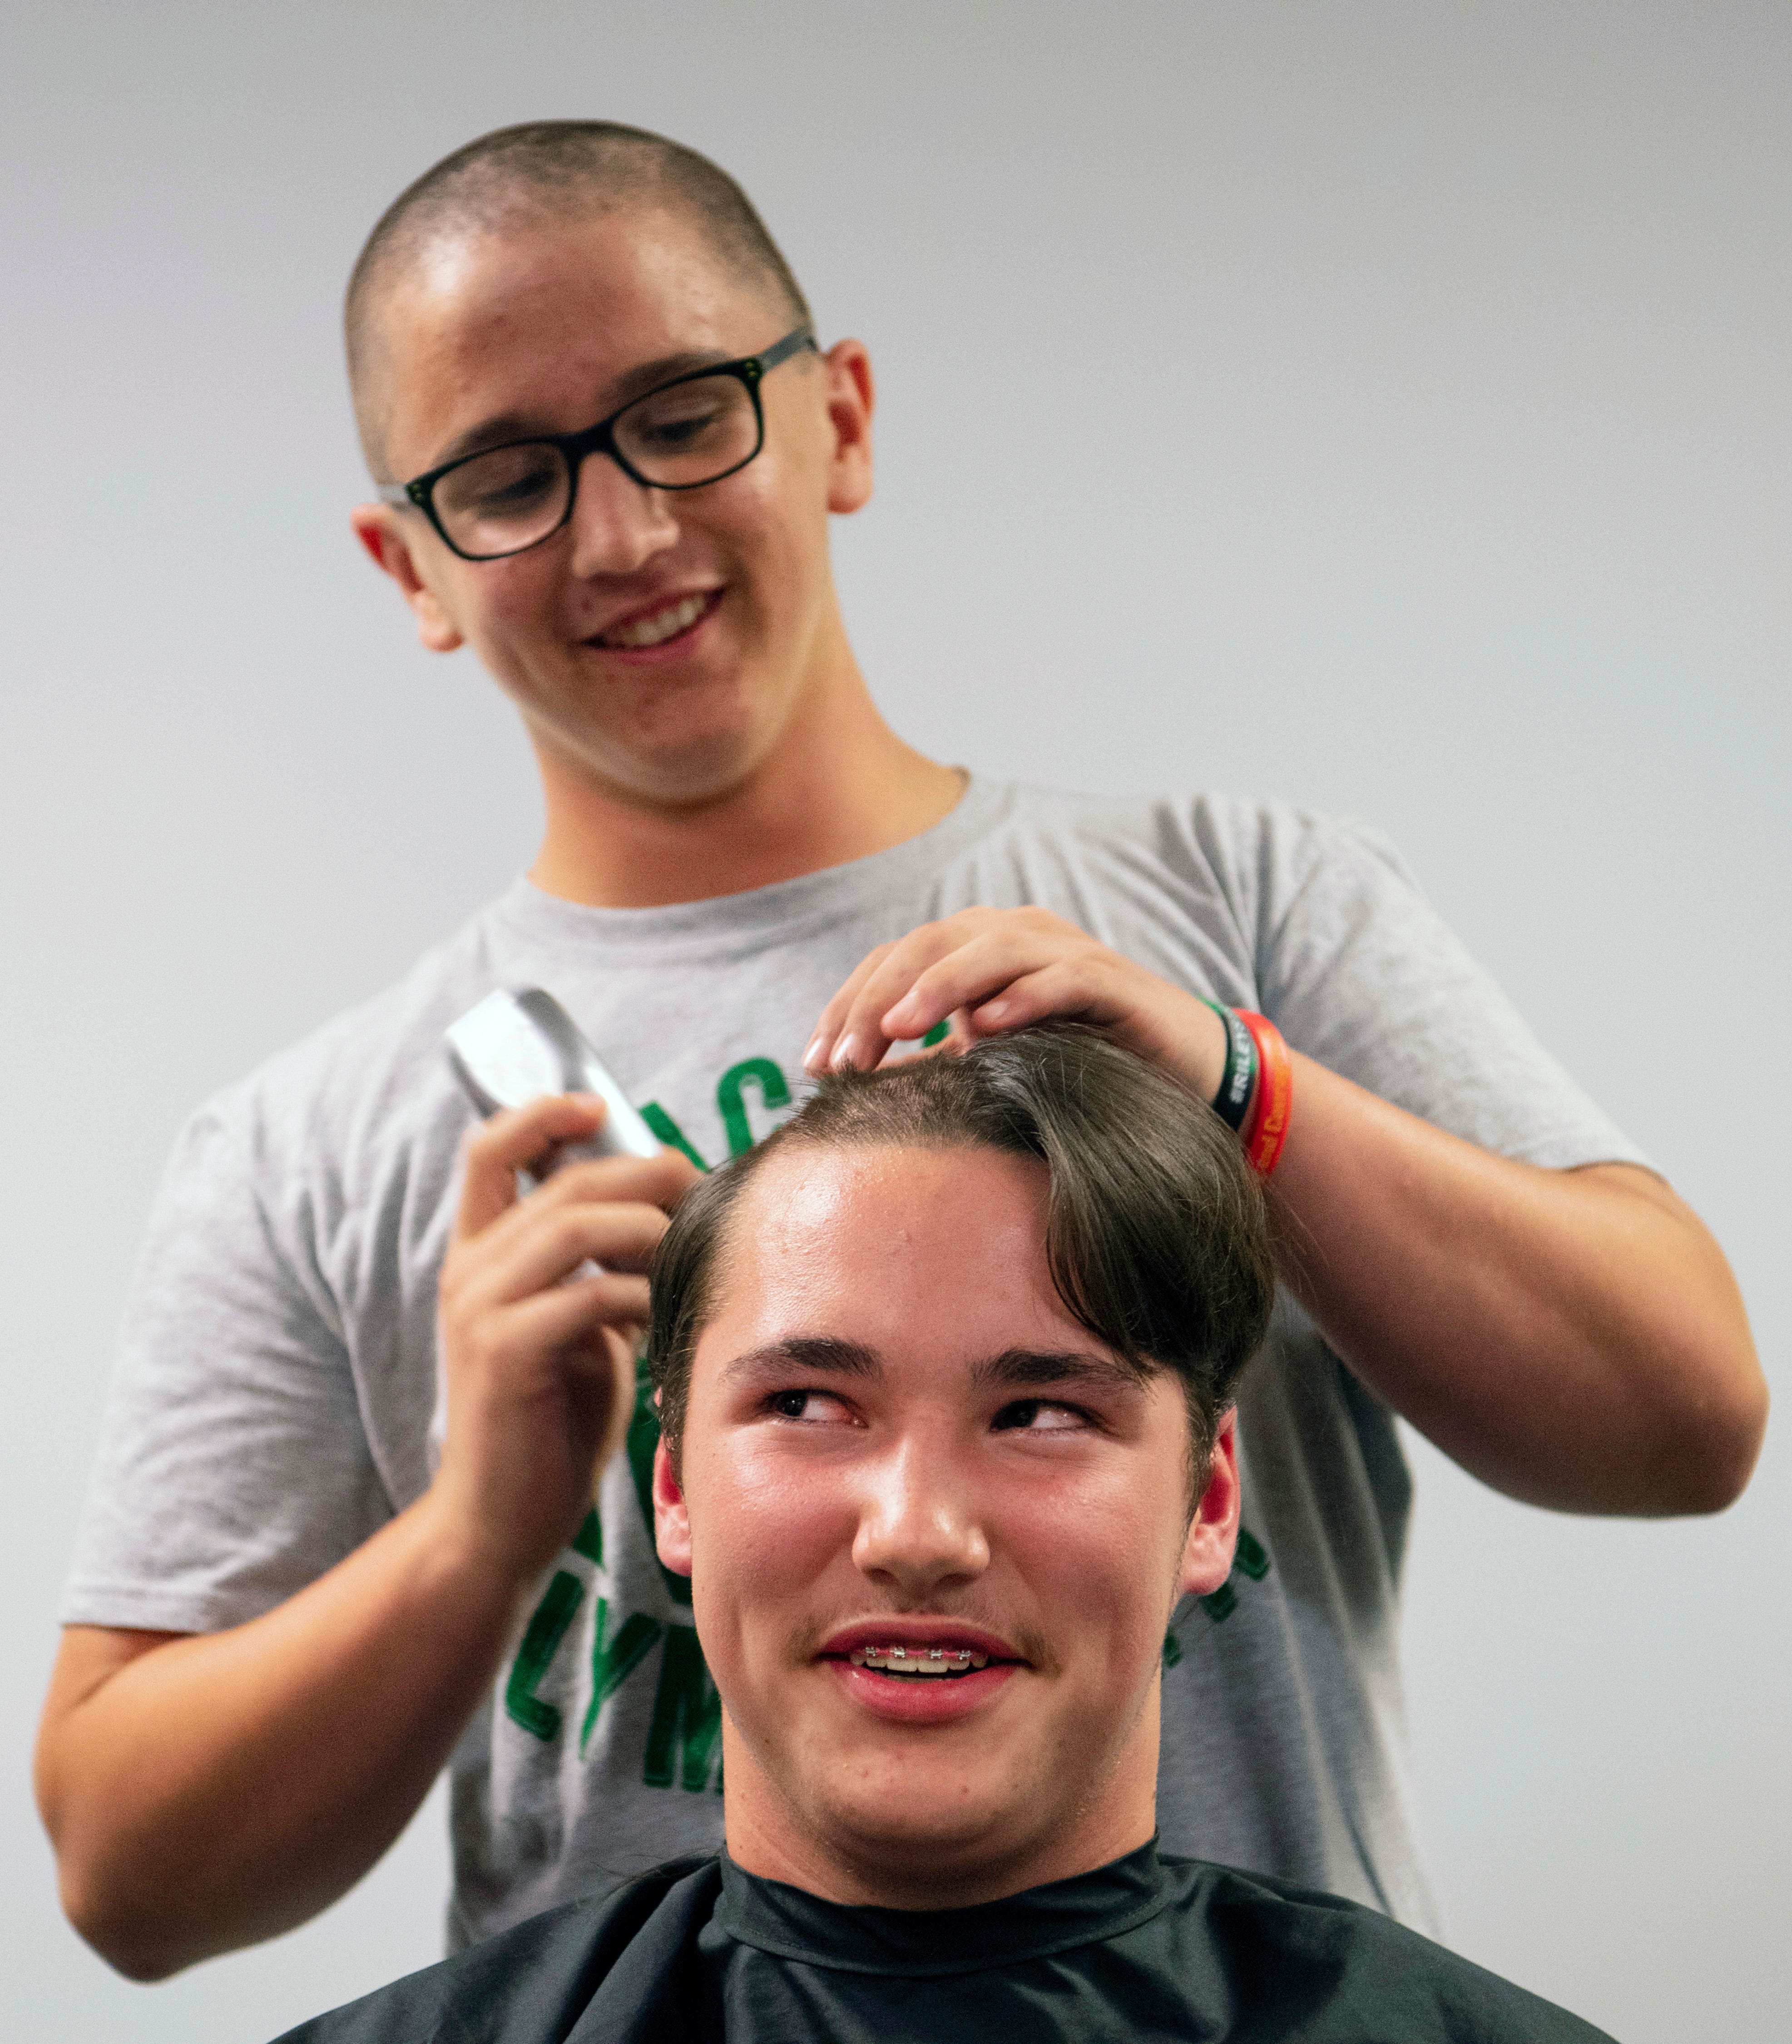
{"x":1150,"y":1947}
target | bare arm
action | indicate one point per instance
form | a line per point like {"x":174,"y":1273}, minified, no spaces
{"x":204,"y":1791}
{"x":1574,"y":1338}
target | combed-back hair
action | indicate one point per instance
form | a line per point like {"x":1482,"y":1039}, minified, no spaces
{"x":1156,"y":1236}
{"x":565,"y":169}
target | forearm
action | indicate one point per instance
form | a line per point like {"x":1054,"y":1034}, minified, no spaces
{"x":218,"y":1790}
{"x":1573,"y":1337}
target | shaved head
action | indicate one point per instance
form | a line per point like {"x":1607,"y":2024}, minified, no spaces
{"x":544,"y":170}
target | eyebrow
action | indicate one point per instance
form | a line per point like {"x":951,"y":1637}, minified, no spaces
{"x":1027,"y":1368}
{"x":507,"y":426}
{"x":1013,"y":1369}
{"x":823,"y":1355}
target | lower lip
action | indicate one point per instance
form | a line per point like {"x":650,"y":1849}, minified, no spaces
{"x":663,"y":649}
{"x":921,"y":1700}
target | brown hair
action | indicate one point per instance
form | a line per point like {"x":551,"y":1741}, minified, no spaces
{"x":563,"y":168}
{"x":1155,"y":1232}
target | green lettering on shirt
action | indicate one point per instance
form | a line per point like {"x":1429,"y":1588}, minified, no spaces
{"x":937,"y":1034}
{"x":588,"y":1540}
{"x":669,"y":1131}
{"x":1252,"y":1559}
{"x":687,"y":1713}
{"x":1220,"y":1605}
{"x":774,"y":1091}
{"x":614,"y":1660}
{"x":541,"y":1641}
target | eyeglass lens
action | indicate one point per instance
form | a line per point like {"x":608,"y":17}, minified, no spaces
{"x":678,"y":438}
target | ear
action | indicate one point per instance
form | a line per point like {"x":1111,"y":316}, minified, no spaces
{"x":1213,"y":1533}
{"x":377,"y":527}
{"x":672,"y":1516}
{"x":851,"y":398}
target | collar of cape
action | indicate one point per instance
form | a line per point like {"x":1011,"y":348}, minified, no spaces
{"x":1087,"y":1909}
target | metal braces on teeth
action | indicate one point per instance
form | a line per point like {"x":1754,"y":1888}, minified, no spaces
{"x":935,"y":1660}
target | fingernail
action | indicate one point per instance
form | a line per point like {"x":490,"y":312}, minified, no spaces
{"x":845,"y":1052}
{"x":812,"y":1057}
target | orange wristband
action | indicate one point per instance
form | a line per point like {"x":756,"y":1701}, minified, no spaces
{"x":1275,"y":1094}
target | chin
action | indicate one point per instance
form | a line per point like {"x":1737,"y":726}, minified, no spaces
{"x":696,"y":742}
{"x":688,"y":768}
{"x":920,"y":1862}
{"x":706,"y":772}
{"x":932,"y":1826}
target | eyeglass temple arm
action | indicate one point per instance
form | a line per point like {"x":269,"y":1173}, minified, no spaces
{"x":781,"y":351}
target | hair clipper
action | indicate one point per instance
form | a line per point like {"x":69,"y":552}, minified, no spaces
{"x":514,"y":1048}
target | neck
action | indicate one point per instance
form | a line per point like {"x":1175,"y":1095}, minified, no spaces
{"x":837,"y":784}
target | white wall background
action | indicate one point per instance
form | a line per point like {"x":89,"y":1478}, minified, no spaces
{"x":1383,"y":405}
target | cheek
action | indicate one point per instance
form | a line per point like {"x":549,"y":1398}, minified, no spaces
{"x":515,"y":600}
{"x":769,"y":519}
{"x":763,"y":1536}
{"x":1101,"y":1560}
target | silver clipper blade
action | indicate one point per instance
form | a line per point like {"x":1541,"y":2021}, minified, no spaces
{"x":513,"y":1048}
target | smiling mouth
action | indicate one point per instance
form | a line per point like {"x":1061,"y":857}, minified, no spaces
{"x":653,"y":627}
{"x":901,"y":1661}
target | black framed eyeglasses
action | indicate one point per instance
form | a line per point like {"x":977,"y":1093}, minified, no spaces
{"x":680,"y":435}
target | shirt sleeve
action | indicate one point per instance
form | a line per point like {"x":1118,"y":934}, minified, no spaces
{"x":1359,"y":971}
{"x":233,"y":1466}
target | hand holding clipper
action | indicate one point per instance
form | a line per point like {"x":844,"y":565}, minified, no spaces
{"x":543,"y":1292}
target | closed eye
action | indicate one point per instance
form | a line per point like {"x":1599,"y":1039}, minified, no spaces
{"x":673,"y":434}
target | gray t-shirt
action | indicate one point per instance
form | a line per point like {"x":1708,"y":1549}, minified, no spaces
{"x":272,"y":1400}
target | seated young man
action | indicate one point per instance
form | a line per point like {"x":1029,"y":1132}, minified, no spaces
{"x":945,"y":1370}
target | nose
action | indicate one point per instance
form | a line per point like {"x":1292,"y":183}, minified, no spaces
{"x":618,"y":525}
{"x":919,"y":1526}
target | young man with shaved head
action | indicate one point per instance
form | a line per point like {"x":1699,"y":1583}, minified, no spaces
{"x":608,"y":441}
{"x":946,"y":1370}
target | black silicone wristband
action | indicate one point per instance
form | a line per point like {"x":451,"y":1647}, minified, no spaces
{"x":1232,"y":1103}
